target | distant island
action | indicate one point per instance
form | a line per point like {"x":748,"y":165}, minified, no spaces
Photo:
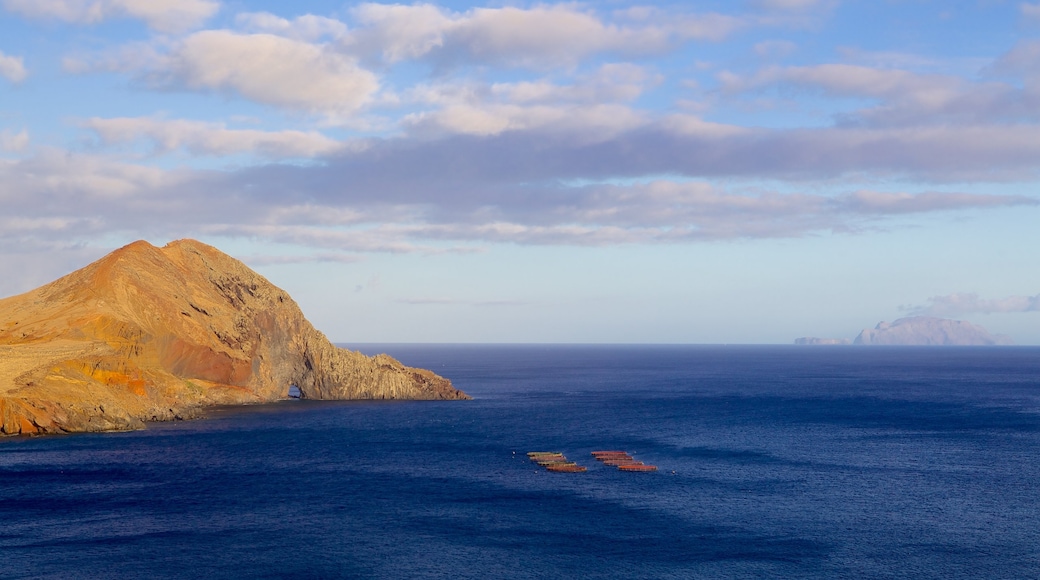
{"x":918,"y":331}
{"x":156,"y":334}
{"x":929,"y":331}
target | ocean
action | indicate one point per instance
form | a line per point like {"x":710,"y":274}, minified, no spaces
{"x":774,"y":462}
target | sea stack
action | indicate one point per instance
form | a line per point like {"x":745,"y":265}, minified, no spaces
{"x":154,"y":334}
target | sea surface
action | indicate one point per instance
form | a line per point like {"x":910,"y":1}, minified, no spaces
{"x":775,"y":462}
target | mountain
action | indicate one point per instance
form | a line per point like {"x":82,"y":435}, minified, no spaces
{"x":926,"y":330}
{"x":155,"y":334}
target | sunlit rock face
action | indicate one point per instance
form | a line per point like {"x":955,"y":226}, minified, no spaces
{"x":152,"y":334}
{"x":928,"y":331}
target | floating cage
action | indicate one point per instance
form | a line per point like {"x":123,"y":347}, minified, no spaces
{"x":639,"y":467}
{"x":566,"y":468}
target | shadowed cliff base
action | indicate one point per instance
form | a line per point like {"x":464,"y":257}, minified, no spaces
{"x":156,"y":334}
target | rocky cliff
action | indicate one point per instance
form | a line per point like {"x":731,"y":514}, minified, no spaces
{"x":928,"y":331}
{"x":153,"y":334}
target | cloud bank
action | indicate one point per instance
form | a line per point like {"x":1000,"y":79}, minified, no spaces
{"x":418,"y":128}
{"x":971,"y":303}
{"x":161,"y":15}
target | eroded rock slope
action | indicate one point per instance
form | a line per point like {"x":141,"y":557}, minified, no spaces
{"x":152,"y":334}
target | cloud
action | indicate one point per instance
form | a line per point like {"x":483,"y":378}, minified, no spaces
{"x":887,"y":203}
{"x":266,"y":69}
{"x":72,"y":181}
{"x":789,"y":4}
{"x":485,"y":119}
{"x":846,"y":80}
{"x":594,"y":104}
{"x":687,"y":146}
{"x":307,"y":27}
{"x":775,"y":48}
{"x":545,"y":36}
{"x":57,"y":196}
{"x":13,"y":142}
{"x":971,"y":303}
{"x":1031,"y":11}
{"x":454,"y":302}
{"x":160,"y":15}
{"x":211,"y":139}
{"x":258,"y":261}
{"x":904,"y":98}
{"x":1022,"y":59}
{"x":12,"y":68}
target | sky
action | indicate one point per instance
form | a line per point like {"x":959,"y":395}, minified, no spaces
{"x":607,"y":172}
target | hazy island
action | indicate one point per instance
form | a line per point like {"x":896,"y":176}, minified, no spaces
{"x":155,"y":334}
{"x":918,"y":331}
{"x":929,"y":331}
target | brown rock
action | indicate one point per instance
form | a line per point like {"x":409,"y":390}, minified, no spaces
{"x":155,"y":334}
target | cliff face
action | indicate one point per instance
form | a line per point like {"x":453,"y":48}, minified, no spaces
{"x":151,"y":334}
{"x":928,"y":331}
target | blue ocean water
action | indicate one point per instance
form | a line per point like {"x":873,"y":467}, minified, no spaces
{"x":774,"y":462}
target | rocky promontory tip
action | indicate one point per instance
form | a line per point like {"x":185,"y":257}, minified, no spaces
{"x":152,"y":334}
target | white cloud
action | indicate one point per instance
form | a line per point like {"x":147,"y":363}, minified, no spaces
{"x":1030,"y":10}
{"x":12,"y":68}
{"x":775,"y":48}
{"x":14,"y":142}
{"x":400,"y":32}
{"x":545,"y":36}
{"x":59,"y":177}
{"x":594,"y":105}
{"x":902,"y":98}
{"x":214,"y":139}
{"x":848,"y":80}
{"x":267,"y":69}
{"x":63,"y":197}
{"x":423,"y":301}
{"x":1023,"y":59}
{"x":307,"y":27}
{"x":596,"y":122}
{"x":790,"y":4}
{"x":321,"y":257}
{"x":161,"y":15}
{"x":971,"y":303}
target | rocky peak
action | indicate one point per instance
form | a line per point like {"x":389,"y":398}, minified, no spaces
{"x":149,"y":333}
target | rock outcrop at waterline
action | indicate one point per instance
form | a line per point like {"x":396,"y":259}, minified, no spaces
{"x":154,"y":334}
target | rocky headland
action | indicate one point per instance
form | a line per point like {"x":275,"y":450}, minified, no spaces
{"x":929,"y":331}
{"x":155,"y":334}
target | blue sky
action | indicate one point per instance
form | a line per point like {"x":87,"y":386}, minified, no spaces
{"x":687,"y":172}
